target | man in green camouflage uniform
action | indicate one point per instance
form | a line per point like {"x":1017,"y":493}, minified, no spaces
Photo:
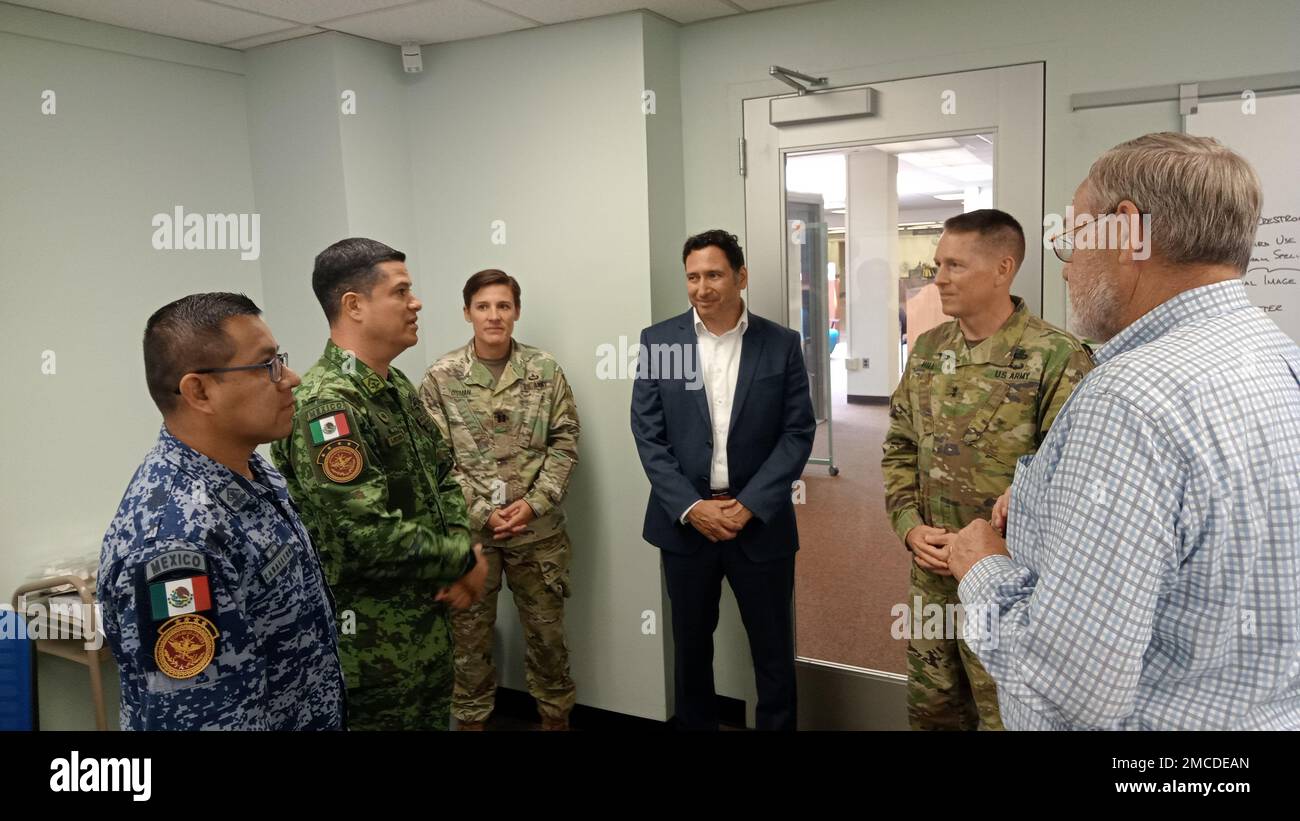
{"x":512,"y":422}
{"x":371,"y":476}
{"x":978,"y":393}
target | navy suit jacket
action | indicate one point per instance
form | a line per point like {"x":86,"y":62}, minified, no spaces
{"x":768,"y":443}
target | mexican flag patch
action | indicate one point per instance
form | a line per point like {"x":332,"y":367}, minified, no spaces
{"x":181,"y":596}
{"x":329,"y":428}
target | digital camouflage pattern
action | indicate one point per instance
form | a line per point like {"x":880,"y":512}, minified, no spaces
{"x":372,"y":477}
{"x":214,"y":602}
{"x":517,"y":439}
{"x":959,"y":419}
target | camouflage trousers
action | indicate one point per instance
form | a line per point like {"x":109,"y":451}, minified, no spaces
{"x":947,"y":687}
{"x":538,"y":575}
{"x":413,"y":695}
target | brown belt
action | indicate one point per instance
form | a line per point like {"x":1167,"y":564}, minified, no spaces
{"x":721,"y":496}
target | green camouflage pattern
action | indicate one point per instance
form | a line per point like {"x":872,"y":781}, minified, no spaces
{"x":389,"y":538}
{"x":515,"y":439}
{"x":959,"y":419}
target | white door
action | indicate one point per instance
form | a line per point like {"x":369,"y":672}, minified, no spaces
{"x":846,"y":191}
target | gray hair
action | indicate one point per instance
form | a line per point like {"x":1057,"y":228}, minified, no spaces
{"x":1203,"y":197}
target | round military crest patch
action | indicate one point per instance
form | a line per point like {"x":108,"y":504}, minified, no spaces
{"x":341,"y":461}
{"x":186,"y":645}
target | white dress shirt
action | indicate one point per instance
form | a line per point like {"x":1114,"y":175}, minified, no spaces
{"x":719,"y":363}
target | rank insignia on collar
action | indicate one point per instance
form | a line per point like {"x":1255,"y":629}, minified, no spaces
{"x":234,"y":496}
{"x":185,"y":646}
{"x":373,"y":383}
{"x":341,"y":461}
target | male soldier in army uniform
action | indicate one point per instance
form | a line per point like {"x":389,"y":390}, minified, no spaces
{"x":214,"y":603}
{"x":978,"y":393}
{"x":372,"y":477}
{"x":510,"y":416}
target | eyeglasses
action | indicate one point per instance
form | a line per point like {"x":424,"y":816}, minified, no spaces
{"x":1063,"y":243}
{"x":275,"y":366}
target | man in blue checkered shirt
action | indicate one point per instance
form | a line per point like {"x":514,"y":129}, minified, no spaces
{"x":1151,"y":574}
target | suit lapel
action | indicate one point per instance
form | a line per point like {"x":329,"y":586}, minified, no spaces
{"x":751,"y":351}
{"x":691,"y":365}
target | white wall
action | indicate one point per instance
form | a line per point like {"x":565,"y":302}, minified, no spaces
{"x":297,"y":159}
{"x":142,"y":124}
{"x":377,"y":164}
{"x":323,"y":175}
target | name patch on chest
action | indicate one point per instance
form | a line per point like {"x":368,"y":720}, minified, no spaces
{"x":276,"y":565}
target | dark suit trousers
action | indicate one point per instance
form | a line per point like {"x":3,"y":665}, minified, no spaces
{"x":764,"y":592}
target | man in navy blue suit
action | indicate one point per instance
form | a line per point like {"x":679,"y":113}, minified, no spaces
{"x":724,"y":425}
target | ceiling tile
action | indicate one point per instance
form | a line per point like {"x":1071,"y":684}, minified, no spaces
{"x":186,"y":19}
{"x":432,"y":21}
{"x":312,"y":11}
{"x":562,"y":11}
{"x":274,"y":37}
{"x":759,"y":5}
{"x":690,"y":11}
{"x":250,"y":23}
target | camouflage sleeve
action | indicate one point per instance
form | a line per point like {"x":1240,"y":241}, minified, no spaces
{"x":345,"y":492}
{"x":552,"y":482}
{"x":280,"y":458}
{"x":477,"y":501}
{"x":899,"y":464}
{"x":1060,"y":379}
{"x":229,"y":692}
{"x":451,"y":493}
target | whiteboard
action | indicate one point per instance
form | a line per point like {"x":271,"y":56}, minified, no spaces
{"x":1267,"y":138}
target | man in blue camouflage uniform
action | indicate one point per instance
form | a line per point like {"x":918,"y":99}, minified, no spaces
{"x":214,"y":602}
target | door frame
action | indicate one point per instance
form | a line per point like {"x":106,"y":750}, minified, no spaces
{"x":1019,"y":97}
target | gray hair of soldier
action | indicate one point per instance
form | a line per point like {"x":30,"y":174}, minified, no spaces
{"x":1204,"y":198}
{"x":188,"y":334}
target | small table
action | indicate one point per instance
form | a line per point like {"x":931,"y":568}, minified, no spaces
{"x":72,"y":649}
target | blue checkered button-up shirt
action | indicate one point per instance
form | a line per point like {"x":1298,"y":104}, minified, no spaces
{"x":1154,"y":578}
